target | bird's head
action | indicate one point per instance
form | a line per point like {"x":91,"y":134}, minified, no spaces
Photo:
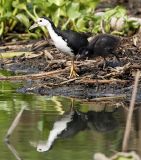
{"x":83,"y":53}
{"x":41,"y":22}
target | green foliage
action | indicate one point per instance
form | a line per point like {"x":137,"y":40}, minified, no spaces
{"x":107,"y":16}
{"x":116,"y":21}
{"x":16,"y":16}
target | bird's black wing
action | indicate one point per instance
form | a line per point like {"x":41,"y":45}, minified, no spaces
{"x":74,"y":39}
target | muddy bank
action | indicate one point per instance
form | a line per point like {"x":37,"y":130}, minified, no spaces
{"x":46,"y":70}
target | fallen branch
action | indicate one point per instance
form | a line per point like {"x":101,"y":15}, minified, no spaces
{"x":135,"y":66}
{"x":96,"y":81}
{"x":33,"y":76}
{"x":13,"y":54}
{"x":118,"y":71}
{"x":40,"y":45}
{"x":68,"y":81}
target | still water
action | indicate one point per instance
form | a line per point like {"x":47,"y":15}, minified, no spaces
{"x":67,"y":129}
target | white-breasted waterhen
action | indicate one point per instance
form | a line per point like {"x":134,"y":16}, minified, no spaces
{"x":67,"y":41}
{"x":101,"y":45}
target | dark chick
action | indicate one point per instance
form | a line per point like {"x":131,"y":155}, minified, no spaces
{"x":102,"y":45}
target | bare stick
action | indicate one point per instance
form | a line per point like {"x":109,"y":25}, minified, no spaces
{"x":13,"y":150}
{"x":68,"y":81}
{"x":130,"y":113}
{"x":110,"y":98}
{"x":14,"y":124}
{"x":33,"y":76}
{"x":96,"y":81}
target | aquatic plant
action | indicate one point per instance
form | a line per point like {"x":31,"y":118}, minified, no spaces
{"x":17,"y":15}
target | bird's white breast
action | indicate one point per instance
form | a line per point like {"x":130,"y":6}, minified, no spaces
{"x":59,"y":42}
{"x":58,"y":127}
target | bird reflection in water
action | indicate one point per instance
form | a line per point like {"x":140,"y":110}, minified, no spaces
{"x":101,"y":121}
{"x":74,"y":121}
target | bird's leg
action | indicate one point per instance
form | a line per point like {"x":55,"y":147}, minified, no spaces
{"x":73,"y":73}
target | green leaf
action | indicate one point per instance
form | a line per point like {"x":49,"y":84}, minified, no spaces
{"x":81,"y":24}
{"x":23,"y":19}
{"x":57,"y":2}
{"x":89,"y":4}
{"x":116,"y":12}
{"x":7,"y":5}
{"x":61,"y":11}
{"x":73,"y":11}
{"x":19,"y":5}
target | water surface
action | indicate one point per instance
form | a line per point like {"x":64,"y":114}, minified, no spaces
{"x":91,"y":127}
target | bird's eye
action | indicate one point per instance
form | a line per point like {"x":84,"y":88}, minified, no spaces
{"x":40,"y":20}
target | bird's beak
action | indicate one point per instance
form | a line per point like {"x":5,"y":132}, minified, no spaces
{"x":33,"y":26}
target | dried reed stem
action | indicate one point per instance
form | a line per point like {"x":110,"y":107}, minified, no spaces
{"x":130,"y":113}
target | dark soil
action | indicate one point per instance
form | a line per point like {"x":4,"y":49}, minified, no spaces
{"x":116,"y":79}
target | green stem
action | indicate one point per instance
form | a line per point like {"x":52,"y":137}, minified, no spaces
{"x":34,"y":19}
{"x":30,"y":15}
{"x":34,"y":11}
{"x":65,"y":25}
{"x":13,"y":25}
{"x":2,"y":28}
{"x":73,"y":23}
{"x":13,"y":22}
{"x":2,"y":2}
